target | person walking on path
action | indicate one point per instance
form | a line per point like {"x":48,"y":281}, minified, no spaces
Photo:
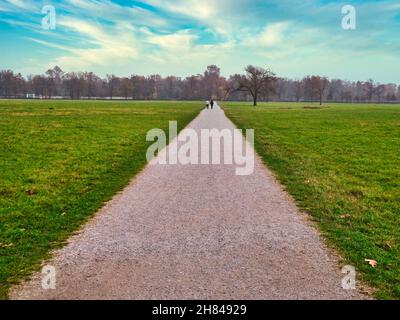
{"x":212,"y":104}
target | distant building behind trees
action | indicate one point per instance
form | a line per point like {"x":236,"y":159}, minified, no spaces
{"x":55,"y":83}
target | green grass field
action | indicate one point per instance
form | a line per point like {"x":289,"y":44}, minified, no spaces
{"x":59,"y":162}
{"x":342,"y":165}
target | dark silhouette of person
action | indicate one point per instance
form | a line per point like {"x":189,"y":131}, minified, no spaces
{"x":212,"y":104}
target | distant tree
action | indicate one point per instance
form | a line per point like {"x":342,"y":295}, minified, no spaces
{"x":50,"y":84}
{"x":39,"y":84}
{"x":191,"y":87}
{"x":20,"y":85}
{"x":319,"y":85}
{"x":112,"y":82}
{"x":153,"y":86}
{"x":308,"y":89}
{"x":210,"y":82}
{"x":92,"y":84}
{"x":256,"y":84}
{"x":280,"y":87}
{"x":358,"y":88}
{"x":171,"y":88}
{"x":257,"y":81}
{"x":139,"y":85}
{"x":298,"y":90}
{"x":390,"y":92}
{"x":73,"y":84}
{"x":380,"y":92}
{"x":225,"y":89}
{"x":54,"y":81}
{"x":369,"y":88}
{"x":398,"y":93}
{"x":7,"y":83}
{"x":126,"y":87}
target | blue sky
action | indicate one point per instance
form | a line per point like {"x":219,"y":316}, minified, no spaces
{"x":182,"y":37}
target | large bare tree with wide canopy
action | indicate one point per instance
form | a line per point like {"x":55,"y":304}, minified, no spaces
{"x":257,"y":81}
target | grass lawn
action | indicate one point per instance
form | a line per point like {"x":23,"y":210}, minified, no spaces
{"x":342,"y":165}
{"x":59,"y":162}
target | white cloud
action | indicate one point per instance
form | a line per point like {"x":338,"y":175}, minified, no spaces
{"x":23,"y":4}
{"x":203,"y":10}
{"x":180,"y":41}
{"x":271,"y":35}
{"x":218,"y":15}
{"x":111,"y":11}
{"x":184,"y":36}
{"x":104,"y":46}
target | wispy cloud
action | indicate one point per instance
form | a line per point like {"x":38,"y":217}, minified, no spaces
{"x":183,"y":36}
{"x":23,"y":4}
{"x":104,"y":45}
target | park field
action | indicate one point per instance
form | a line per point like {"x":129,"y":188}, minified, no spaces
{"x":60,"y":161}
{"x":341,"y":163}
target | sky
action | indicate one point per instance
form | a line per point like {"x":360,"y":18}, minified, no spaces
{"x":183,"y":37}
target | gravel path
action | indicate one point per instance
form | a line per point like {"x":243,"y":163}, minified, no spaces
{"x":196,"y":232}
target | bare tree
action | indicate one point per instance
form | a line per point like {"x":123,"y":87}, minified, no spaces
{"x":319,"y":85}
{"x":191,"y":87}
{"x":54,"y":80}
{"x":257,"y":81}
{"x":210,"y":81}
{"x":92,"y":82}
{"x":7,"y":83}
{"x":39,"y":85}
{"x":153,"y":86}
{"x":112,"y":81}
{"x":74,"y":84}
{"x":380,"y":91}
{"x":398,"y":93}
{"x":298,"y":90}
{"x":308,"y":89}
{"x":126,"y":87}
{"x":139,"y":84}
{"x":256,"y":84}
{"x":369,"y":89}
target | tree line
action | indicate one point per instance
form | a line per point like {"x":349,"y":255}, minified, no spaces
{"x":256,"y":84}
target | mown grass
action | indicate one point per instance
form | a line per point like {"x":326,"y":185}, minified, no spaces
{"x":342,"y":165}
{"x":59,"y":162}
